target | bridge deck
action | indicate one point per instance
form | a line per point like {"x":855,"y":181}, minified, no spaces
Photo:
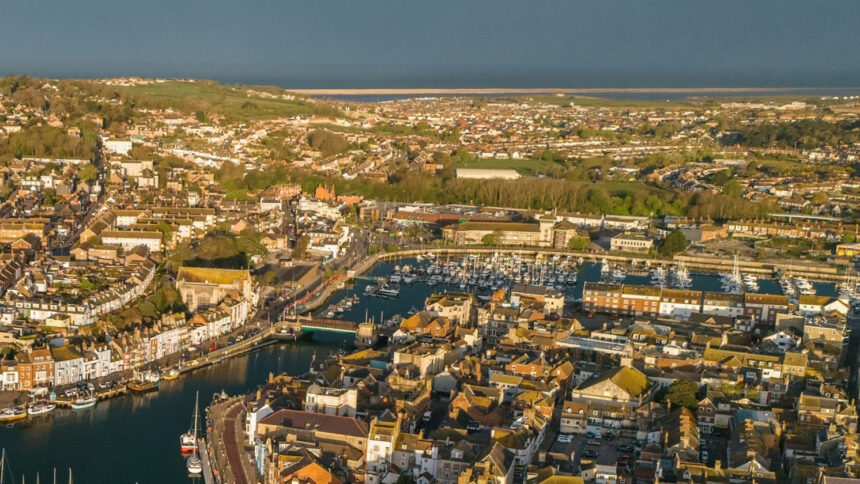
{"x":320,"y":324}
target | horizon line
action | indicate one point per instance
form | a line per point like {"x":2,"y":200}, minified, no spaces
{"x":551,"y":90}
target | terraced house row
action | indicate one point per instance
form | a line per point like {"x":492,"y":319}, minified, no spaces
{"x":634,"y":300}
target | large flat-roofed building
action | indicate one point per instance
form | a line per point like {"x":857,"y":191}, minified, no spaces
{"x":129,"y":239}
{"x":502,"y":233}
{"x":544,"y":233}
{"x":631,"y":243}
{"x":487,"y":174}
{"x":202,"y":287}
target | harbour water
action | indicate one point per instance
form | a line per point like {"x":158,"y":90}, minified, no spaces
{"x":134,"y":438}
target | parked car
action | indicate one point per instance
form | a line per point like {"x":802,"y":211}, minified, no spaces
{"x":589,"y":454}
{"x":565,"y":439}
{"x":626,"y":448}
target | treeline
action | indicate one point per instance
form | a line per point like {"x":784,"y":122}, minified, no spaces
{"x":327,"y":143}
{"x":46,"y":141}
{"x":72,"y":100}
{"x":634,"y":198}
{"x":804,"y":134}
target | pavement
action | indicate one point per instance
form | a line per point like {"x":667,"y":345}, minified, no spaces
{"x":226,"y":437}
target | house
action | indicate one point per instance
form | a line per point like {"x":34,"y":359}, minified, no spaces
{"x":35,"y":368}
{"x":551,"y":299}
{"x":478,"y":404}
{"x":622,"y":385}
{"x":68,"y":365}
{"x":331,"y":401}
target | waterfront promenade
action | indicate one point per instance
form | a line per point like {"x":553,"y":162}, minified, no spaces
{"x":225,"y":421}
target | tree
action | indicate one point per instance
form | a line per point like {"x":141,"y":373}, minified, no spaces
{"x":301,"y":248}
{"x":87,"y":285}
{"x":682,"y":393}
{"x":848,"y":238}
{"x":579,"y":243}
{"x":674,"y":243}
{"x":819,"y":197}
{"x":489,"y":239}
{"x":166,"y":231}
{"x":327,"y":142}
{"x":88,"y":172}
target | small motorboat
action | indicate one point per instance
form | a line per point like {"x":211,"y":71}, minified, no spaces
{"x":84,"y":403}
{"x":40,"y":408}
{"x":171,"y":374}
{"x":13,"y":414}
{"x":194,"y":465}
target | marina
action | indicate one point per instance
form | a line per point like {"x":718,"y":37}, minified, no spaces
{"x":484,"y":274}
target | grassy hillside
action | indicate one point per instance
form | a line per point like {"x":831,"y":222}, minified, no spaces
{"x":230,"y":101}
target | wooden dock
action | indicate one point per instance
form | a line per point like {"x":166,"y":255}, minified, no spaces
{"x":103,"y":395}
{"x":204,"y":458}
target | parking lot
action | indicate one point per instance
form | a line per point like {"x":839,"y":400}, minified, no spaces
{"x":603,"y":451}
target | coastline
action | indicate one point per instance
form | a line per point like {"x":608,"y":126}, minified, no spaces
{"x":549,"y":90}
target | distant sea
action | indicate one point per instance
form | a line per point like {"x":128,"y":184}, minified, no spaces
{"x":639,"y":95}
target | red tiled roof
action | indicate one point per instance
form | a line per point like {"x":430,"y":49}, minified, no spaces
{"x":332,"y":424}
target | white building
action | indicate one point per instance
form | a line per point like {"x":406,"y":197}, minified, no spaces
{"x":331,"y":401}
{"x":487,"y":174}
{"x":129,"y":239}
{"x":679,"y":303}
{"x":117,"y":146}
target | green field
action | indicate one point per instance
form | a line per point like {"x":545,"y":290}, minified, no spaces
{"x":232,"y":102}
{"x":523,"y":167}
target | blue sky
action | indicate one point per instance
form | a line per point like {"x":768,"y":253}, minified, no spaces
{"x":440,"y":43}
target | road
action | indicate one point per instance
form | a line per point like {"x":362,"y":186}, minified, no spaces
{"x":225,"y":436}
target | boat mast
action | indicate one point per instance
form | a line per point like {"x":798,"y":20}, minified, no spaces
{"x":3,"y":465}
{"x":196,"y":404}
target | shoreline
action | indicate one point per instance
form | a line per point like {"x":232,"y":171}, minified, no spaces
{"x":550,"y":90}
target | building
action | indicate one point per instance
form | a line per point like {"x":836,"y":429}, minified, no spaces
{"x":202,"y":287}
{"x":723,"y":304}
{"x":622,"y":385}
{"x":35,"y":368}
{"x":487,"y":174}
{"x":551,"y":299}
{"x":631,"y":243}
{"x":117,"y":146}
{"x":331,"y":401}
{"x":763,"y":308}
{"x":680,"y":303}
{"x":129,"y":239}
{"x":848,"y":250}
{"x":601,"y":297}
{"x":640,"y":300}
{"x":546,"y":232}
